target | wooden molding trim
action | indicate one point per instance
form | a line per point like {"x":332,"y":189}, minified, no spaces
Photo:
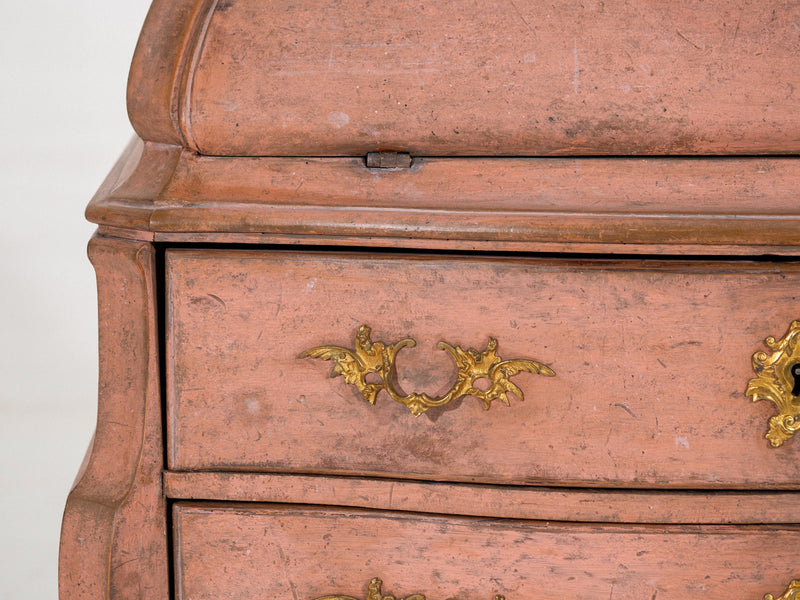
{"x":514,"y":502}
{"x":650,"y":205}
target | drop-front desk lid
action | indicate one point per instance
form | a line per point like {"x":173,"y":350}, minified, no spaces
{"x":658,"y":126}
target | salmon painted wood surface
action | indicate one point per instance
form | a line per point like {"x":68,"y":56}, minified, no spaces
{"x":646,"y":393}
{"x":469,"y":78}
{"x":315,"y":550}
{"x":449,"y":300}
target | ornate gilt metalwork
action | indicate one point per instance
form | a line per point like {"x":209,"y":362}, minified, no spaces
{"x":776,"y":381}
{"x":378,"y":358}
{"x":792,"y":593}
{"x":374,"y":593}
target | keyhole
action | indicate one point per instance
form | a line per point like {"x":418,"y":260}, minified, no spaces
{"x":796,"y":374}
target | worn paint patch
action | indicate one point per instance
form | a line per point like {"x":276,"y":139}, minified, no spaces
{"x":338,"y":119}
{"x":681,"y":441}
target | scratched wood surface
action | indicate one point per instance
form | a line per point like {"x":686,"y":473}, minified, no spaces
{"x":305,"y":553}
{"x":651,"y":362}
{"x":251,"y":78}
{"x":727,"y":206}
{"x":481,"y":500}
{"x":113,"y":536}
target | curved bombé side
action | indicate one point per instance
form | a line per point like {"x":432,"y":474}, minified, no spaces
{"x":113,"y":536}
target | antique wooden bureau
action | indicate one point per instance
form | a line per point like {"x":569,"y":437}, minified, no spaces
{"x":455,"y":300}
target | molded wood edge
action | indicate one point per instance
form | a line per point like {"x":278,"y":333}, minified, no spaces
{"x":159,"y":68}
{"x":656,"y":205}
{"x":113,"y":538}
{"x":513,"y":502}
{"x":457,"y":245}
{"x":126,"y":198}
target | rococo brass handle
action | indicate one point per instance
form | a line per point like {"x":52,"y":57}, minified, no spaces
{"x":792,"y":593}
{"x":379,"y":358}
{"x":374,"y":593}
{"x":778,"y":380}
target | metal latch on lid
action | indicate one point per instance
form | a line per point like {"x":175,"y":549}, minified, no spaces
{"x":388,"y":160}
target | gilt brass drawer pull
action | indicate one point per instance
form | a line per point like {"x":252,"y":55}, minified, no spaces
{"x":792,"y":593}
{"x":379,"y":358}
{"x":778,"y":379}
{"x":374,"y":593}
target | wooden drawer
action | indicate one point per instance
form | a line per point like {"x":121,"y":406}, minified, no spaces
{"x":244,"y":552}
{"x":651,"y":362}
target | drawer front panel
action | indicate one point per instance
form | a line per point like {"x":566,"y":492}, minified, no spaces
{"x":280,"y":552}
{"x":651,"y":362}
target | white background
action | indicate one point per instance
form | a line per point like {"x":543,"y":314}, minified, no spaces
{"x":63,"y":70}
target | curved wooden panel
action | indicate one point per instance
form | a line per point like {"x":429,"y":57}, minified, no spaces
{"x":113,"y":542}
{"x":159,"y":68}
{"x":495,"y":78}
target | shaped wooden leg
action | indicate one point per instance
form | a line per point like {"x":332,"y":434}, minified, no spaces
{"x":113,"y":537}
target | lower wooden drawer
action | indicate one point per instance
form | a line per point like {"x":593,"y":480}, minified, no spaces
{"x":304,"y":553}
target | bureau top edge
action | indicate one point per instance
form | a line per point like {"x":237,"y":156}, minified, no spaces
{"x":664,"y":206}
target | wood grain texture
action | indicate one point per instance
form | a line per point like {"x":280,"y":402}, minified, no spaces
{"x":496,"y":78}
{"x":291,"y":552}
{"x":511,"y":502}
{"x":113,"y":539}
{"x":652,"y":359}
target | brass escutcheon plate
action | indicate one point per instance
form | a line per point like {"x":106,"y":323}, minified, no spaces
{"x":776,"y":380}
